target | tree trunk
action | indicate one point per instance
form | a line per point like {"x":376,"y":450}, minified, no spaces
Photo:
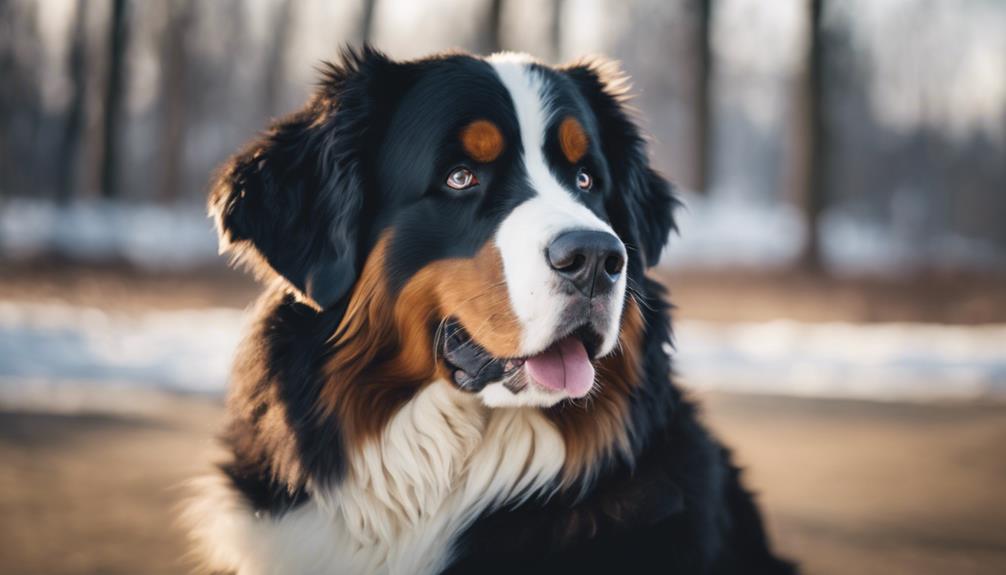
{"x":69,"y":183}
{"x":493,"y":25}
{"x":20,"y":100}
{"x":555,"y":34}
{"x":175,"y":79}
{"x":808,"y":145}
{"x":114,"y":99}
{"x":703,"y":96}
{"x":273,"y":76}
{"x":367,"y":22}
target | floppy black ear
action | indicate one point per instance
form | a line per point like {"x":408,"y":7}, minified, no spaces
{"x":642,"y":205}
{"x":292,"y":199}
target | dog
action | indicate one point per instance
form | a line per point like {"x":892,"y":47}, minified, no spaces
{"x":460,"y":364}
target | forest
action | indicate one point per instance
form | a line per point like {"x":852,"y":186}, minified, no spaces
{"x":865,"y":136}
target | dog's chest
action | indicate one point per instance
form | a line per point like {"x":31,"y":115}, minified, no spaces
{"x":441,"y":461}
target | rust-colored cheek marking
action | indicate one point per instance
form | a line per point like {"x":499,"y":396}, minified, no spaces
{"x":572,"y":139}
{"x":601,"y":428}
{"x":373,"y":368}
{"x":475,"y":292}
{"x":482,"y":141}
{"x":383,"y":352}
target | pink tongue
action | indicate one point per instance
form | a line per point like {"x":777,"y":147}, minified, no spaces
{"x":564,"y":366}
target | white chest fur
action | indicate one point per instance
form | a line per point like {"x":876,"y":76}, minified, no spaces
{"x":442,"y":459}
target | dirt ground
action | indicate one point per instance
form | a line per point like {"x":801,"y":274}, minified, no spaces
{"x":848,"y":487}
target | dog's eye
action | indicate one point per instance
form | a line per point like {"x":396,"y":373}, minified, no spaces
{"x":462,"y":179}
{"x":583,"y":180}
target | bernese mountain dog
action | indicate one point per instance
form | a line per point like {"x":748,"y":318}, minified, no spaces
{"x":460,"y":364}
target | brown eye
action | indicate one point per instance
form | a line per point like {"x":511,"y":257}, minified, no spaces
{"x":462,"y":179}
{"x":583,"y":180}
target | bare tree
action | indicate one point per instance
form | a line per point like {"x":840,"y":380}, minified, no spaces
{"x":367,"y":21}
{"x":807,"y":152}
{"x":175,"y":80}
{"x":114,"y":98}
{"x":493,"y":24}
{"x":703,"y":94}
{"x":20,"y":114}
{"x":69,"y":183}
{"x":555,"y":34}
{"x":273,"y":77}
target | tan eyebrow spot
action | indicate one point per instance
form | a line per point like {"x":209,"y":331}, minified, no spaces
{"x":572,"y":139}
{"x":482,"y":141}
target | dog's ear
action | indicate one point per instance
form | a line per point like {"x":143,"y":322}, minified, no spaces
{"x":642,"y":205}
{"x":292,"y":199}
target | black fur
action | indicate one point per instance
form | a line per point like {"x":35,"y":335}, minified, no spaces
{"x":279,"y":374}
{"x":370,"y":153}
{"x":296,"y":196}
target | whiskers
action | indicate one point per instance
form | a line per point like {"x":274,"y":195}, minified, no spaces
{"x":637,"y":293}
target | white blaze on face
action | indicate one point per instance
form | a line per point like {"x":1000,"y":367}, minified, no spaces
{"x":526,"y":232}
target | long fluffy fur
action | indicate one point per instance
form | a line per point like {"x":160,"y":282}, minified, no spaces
{"x":352,"y":449}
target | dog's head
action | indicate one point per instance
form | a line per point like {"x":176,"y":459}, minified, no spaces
{"x":477,"y":220}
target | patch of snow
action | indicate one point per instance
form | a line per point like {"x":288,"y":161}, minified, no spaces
{"x":55,"y":353}
{"x":723,"y":230}
{"x":189,"y":350}
{"x":851,"y":245}
{"x":870,"y":361}
{"x":148,"y":236}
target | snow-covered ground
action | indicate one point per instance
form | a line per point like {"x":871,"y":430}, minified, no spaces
{"x":58,"y":356}
{"x":719,"y":232}
{"x":893,"y":361}
{"x":148,"y":236}
{"x":55,"y":353}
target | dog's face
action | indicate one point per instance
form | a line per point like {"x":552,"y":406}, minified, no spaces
{"x":485,"y":215}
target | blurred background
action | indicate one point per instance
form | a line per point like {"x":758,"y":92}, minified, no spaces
{"x":840,"y":273}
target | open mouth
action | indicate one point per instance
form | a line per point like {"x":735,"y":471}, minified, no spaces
{"x":565,"y":366}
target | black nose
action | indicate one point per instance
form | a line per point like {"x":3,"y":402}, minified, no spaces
{"x":591,"y":260}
